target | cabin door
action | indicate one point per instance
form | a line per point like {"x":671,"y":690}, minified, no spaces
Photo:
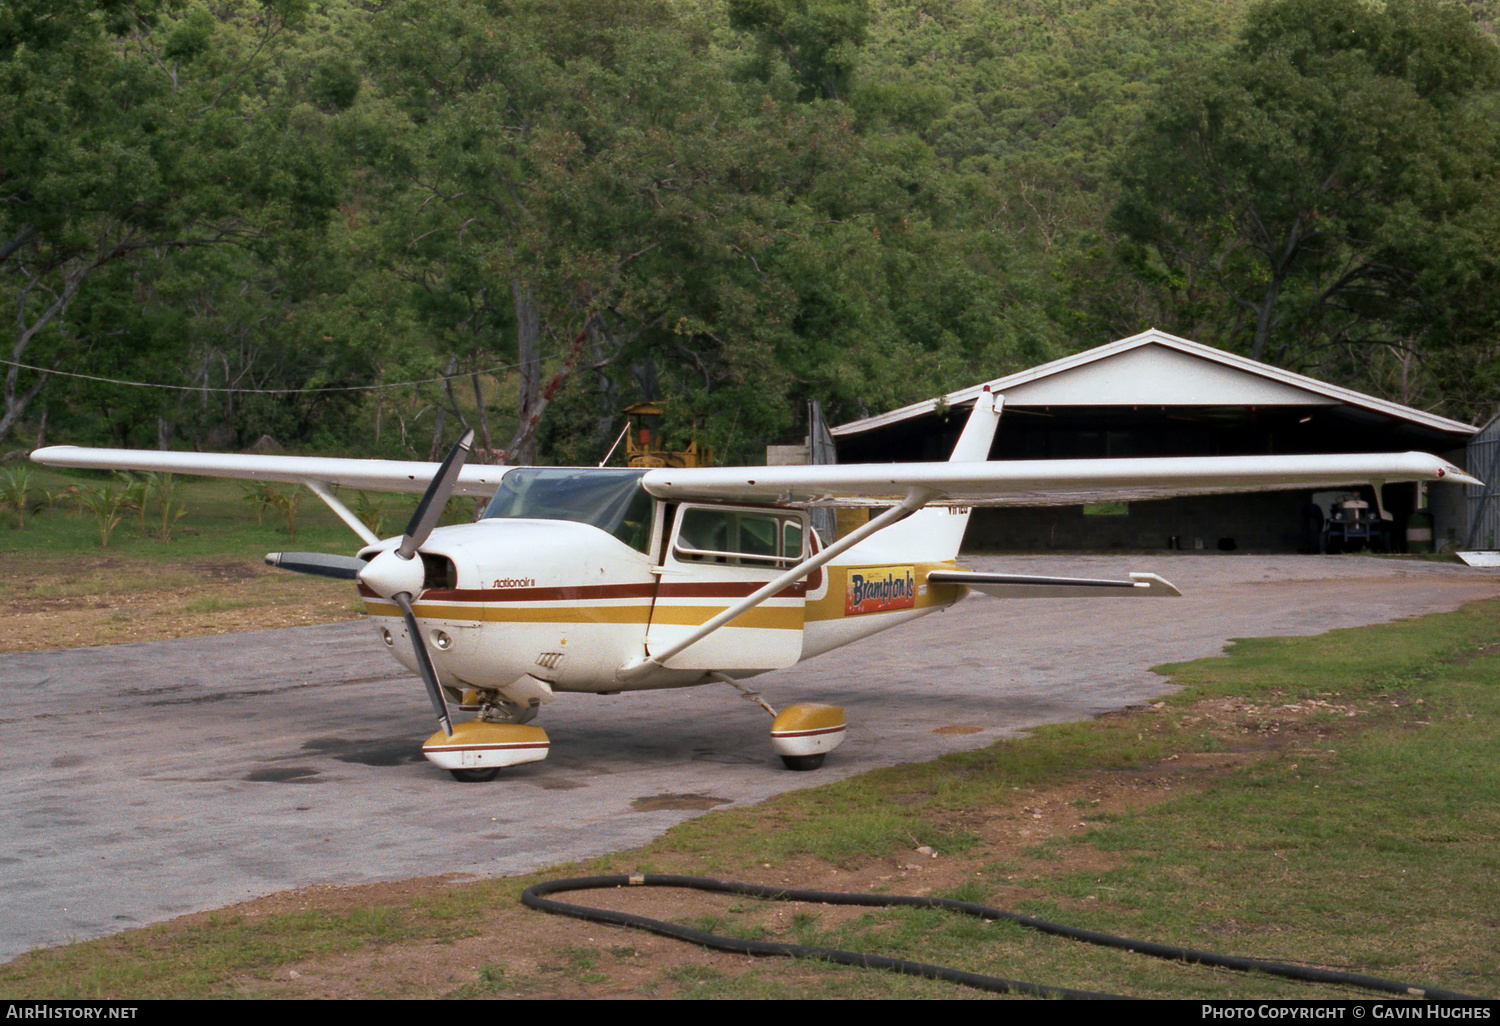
{"x":715,"y":556}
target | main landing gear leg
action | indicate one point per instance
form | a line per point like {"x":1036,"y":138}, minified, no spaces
{"x":802,"y":734}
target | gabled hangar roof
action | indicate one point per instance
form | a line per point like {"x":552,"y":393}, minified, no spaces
{"x":1158,"y":369}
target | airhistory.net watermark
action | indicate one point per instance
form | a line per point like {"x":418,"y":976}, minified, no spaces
{"x":45,"y":1010}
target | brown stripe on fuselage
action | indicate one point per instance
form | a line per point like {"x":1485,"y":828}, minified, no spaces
{"x":596,"y":592}
{"x":583,"y":593}
{"x":725,"y":589}
{"x":482,"y":613}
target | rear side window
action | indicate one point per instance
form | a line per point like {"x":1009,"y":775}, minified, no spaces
{"x":739,"y":537}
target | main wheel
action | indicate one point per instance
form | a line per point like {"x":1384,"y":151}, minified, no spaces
{"x":478,"y":776}
{"x":803,"y":762}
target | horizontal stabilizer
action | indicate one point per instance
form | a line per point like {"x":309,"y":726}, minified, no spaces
{"x":321,"y":564}
{"x":1031,"y":586}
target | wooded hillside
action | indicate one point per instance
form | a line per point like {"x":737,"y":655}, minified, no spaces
{"x":541,"y":211}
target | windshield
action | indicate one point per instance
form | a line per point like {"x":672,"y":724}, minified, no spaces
{"x":611,"y":500}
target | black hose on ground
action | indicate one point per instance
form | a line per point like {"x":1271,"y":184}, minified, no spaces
{"x":534,"y":897}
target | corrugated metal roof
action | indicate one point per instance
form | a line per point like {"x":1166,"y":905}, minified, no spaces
{"x":1155,"y":368}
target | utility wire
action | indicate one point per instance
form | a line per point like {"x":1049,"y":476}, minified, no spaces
{"x":260,"y":391}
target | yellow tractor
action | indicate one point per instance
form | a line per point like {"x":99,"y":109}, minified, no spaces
{"x":643,"y":446}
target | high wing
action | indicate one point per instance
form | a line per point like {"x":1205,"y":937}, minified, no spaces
{"x":369,"y":475}
{"x":1044,"y":482}
{"x":978,"y":483}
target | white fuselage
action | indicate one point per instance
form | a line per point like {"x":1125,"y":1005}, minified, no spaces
{"x":568,"y":604}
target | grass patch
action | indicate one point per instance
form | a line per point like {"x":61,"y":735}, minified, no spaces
{"x":214,"y":604}
{"x":198,"y":958}
{"x":489,"y":982}
{"x":219,"y":520}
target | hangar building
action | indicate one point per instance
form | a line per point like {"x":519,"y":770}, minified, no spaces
{"x":1154,"y":394}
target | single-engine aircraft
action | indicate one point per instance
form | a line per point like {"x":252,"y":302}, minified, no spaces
{"x":608,"y":580}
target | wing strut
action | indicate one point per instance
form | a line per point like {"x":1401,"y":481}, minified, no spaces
{"x":645,"y":664}
{"x":332,"y":501}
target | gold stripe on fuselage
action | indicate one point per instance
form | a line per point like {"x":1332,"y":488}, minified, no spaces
{"x":685,"y":616}
{"x":829,"y":607}
{"x":759,"y":618}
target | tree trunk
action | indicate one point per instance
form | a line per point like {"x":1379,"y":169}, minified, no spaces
{"x":438,"y":422}
{"x":487,"y":447}
{"x":15,"y":405}
{"x":16,"y":402}
{"x":604,"y":427}
{"x":529,"y":350}
{"x":525,"y":437}
{"x":1265,"y":320}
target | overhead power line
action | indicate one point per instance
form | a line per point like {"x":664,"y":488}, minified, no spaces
{"x":260,"y":391}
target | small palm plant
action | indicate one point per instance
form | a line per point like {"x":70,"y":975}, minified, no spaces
{"x":134,"y":492}
{"x":286,"y":502}
{"x":104,"y":504}
{"x":371,"y":512}
{"x":14,"y":488}
{"x":163,"y":487}
{"x":50,"y":498}
{"x":259,"y":495}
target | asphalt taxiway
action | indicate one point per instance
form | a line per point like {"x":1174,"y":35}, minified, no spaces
{"x":145,"y":781}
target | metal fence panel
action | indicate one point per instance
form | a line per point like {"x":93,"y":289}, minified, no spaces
{"x":820,"y":440}
{"x":1484,"y":502}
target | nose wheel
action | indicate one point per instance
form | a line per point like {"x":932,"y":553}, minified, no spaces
{"x":476,"y":751}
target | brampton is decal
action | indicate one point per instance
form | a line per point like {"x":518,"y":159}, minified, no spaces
{"x":879,"y":589}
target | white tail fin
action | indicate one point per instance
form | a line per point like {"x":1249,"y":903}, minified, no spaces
{"x":979,"y":433}
{"x":933,"y":535}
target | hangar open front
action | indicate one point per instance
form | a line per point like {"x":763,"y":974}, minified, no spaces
{"x":1155,"y":394}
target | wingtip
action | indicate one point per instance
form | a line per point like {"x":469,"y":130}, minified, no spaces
{"x":1452,"y":473}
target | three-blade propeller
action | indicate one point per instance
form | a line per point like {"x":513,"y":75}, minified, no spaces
{"x":397,"y":574}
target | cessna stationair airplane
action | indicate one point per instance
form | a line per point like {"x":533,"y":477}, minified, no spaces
{"x":608,"y":580}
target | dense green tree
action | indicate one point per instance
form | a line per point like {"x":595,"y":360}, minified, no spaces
{"x":644,"y":216}
{"x":818,"y":40}
{"x":1332,"y":176}
{"x":558,"y":207}
{"x":130,"y":133}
